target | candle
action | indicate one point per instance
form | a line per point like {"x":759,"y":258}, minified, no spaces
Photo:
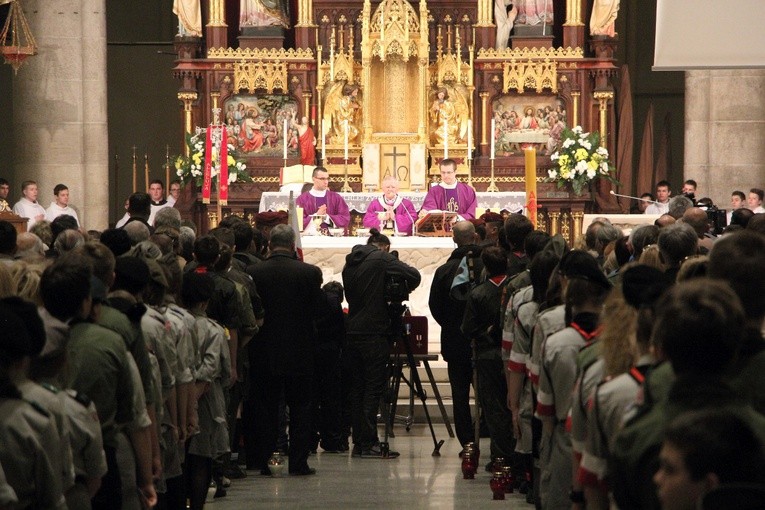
{"x":470,"y":139}
{"x":492,"y":138}
{"x":406,"y":26}
{"x":345,"y":131}
{"x":531,"y":184}
{"x":286,"y":140}
{"x":299,"y":214}
{"x":323,"y":138}
{"x":446,"y":140}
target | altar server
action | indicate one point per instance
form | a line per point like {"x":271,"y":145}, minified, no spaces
{"x":320,"y":200}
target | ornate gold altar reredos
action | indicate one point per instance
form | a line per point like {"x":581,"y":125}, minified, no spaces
{"x":450,"y":95}
{"x":339,"y":93}
{"x":260,"y":75}
{"x":394,"y":53}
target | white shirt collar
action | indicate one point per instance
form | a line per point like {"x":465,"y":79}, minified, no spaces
{"x":317,"y":193}
{"x":449,"y":186}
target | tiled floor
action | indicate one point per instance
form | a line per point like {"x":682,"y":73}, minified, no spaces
{"x":415,"y":480}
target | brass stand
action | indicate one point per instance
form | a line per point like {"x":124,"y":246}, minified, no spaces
{"x":346,"y":187}
{"x":492,"y":185}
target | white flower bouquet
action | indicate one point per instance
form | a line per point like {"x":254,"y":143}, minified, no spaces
{"x":191,"y":168}
{"x":580,"y":160}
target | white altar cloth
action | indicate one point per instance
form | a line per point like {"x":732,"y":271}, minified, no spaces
{"x":513,"y":201}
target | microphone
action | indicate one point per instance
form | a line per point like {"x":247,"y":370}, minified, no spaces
{"x":633,"y":198}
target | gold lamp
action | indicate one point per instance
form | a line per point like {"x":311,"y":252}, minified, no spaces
{"x":16,"y":40}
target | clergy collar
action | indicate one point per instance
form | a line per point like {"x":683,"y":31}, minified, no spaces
{"x":449,"y":186}
{"x":396,"y":201}
{"x":161,"y":202}
{"x":317,"y":193}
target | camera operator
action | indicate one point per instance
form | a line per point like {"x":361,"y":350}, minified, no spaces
{"x":369,"y":271}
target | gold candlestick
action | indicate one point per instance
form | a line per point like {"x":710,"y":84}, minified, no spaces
{"x":167,"y":166}
{"x":492,"y":185}
{"x":135,"y":170}
{"x":346,"y":187}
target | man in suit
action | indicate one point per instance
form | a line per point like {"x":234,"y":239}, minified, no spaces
{"x":448,"y":309}
{"x":281,"y":355}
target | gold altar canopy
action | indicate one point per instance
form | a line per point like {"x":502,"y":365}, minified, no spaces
{"x":394,"y":54}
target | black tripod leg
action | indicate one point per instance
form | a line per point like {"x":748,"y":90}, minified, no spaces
{"x":417,"y":386}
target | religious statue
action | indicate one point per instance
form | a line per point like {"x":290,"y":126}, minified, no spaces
{"x":604,"y":17}
{"x":342,"y":108}
{"x":534,"y":12}
{"x":505,"y":13}
{"x":306,"y":140}
{"x":263,"y":13}
{"x":452,"y":113}
{"x":189,"y":14}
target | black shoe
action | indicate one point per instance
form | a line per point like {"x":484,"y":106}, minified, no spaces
{"x":375,"y":452}
{"x":220,"y":492}
{"x":331,"y":448}
{"x":306,"y":471}
{"x":234,"y":472}
{"x":356,"y":452}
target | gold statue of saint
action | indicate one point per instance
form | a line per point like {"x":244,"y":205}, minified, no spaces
{"x":450,"y":110}
{"x":342,"y":105}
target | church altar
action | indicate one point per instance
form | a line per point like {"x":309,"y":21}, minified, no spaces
{"x":424,"y":253}
{"x":392,"y":87}
{"x":511,"y":201}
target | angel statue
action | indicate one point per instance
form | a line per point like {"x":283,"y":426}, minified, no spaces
{"x":341,"y":106}
{"x":453,"y":114}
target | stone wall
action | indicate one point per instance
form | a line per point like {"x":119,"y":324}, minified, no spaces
{"x":725,"y":131}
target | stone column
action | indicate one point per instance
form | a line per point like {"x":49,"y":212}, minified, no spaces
{"x":725,"y":131}
{"x":59,"y":100}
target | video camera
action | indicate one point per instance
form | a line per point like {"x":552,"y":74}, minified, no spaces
{"x":396,"y":289}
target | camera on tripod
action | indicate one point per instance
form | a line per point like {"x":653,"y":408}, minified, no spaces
{"x":396,"y":289}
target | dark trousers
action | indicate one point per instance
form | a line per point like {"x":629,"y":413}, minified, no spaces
{"x":492,"y":395}
{"x":262,"y":423}
{"x":369,"y":357}
{"x":109,"y":495}
{"x":460,"y":379}
{"x":326,"y":397}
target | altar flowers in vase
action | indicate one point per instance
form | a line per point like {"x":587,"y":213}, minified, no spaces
{"x":580,"y":160}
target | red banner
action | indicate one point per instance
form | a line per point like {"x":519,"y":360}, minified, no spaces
{"x":207,"y":173}
{"x":223,"y":174}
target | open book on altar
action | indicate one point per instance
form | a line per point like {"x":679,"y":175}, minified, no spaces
{"x":435,"y":223}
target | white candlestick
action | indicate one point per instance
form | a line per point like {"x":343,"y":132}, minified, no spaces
{"x":345,"y":130}
{"x":323,"y":140}
{"x":286,"y":140}
{"x":492,"y":138}
{"x":470,"y":139}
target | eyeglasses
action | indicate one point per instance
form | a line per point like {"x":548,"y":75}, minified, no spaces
{"x":321,"y":178}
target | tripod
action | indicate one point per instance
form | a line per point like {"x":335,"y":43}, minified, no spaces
{"x":401,"y":337}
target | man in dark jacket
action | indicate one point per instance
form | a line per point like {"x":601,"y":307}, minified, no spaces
{"x":447,"y":309}
{"x":367,"y":269}
{"x":482,"y":324}
{"x":281,"y":354}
